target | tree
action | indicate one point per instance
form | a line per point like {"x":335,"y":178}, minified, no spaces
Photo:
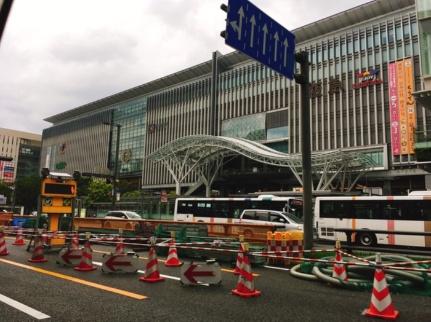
{"x":5,"y":190}
{"x":27,"y":190}
{"x":99,"y":191}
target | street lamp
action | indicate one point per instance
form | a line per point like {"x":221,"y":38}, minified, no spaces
{"x":117,"y":151}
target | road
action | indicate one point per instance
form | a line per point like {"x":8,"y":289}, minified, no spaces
{"x":284,"y":298}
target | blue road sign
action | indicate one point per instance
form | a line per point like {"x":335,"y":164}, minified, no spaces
{"x":251,"y":31}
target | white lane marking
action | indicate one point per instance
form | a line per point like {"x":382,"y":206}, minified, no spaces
{"x":275,"y":267}
{"x":142,"y":272}
{"x":23,"y":308}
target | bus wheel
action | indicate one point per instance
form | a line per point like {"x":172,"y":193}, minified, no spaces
{"x":366,"y":239}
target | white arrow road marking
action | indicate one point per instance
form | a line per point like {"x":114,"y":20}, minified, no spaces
{"x":285,"y":44}
{"x":276,"y":39}
{"x":265,"y":33}
{"x":142,"y":272}
{"x":23,"y":308}
{"x":238,"y":27}
{"x":253,"y":24}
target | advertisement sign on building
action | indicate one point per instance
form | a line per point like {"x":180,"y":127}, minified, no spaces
{"x":402,"y":107}
{"x":393,"y":110}
{"x":7,"y":170}
{"x":410,"y":105}
{"x":367,"y":78}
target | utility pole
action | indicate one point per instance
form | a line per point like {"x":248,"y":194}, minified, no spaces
{"x":117,"y":151}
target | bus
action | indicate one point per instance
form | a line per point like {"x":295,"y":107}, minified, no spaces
{"x":390,"y":213}
{"x":227,"y":209}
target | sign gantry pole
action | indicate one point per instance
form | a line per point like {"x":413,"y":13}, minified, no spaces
{"x":307,"y":183}
{"x":254,"y":33}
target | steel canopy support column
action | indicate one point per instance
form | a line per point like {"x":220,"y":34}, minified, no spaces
{"x":303,"y":80}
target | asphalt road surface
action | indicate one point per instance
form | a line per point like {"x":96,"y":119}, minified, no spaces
{"x":284,"y":298}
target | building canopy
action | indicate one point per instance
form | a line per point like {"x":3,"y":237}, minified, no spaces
{"x":205,"y":154}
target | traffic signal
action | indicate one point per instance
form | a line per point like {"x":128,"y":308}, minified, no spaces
{"x":76,"y":175}
{"x":44,"y":172}
{"x":224,"y":8}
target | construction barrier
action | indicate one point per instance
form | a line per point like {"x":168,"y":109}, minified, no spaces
{"x":286,"y":241}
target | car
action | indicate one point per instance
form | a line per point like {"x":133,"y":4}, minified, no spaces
{"x":122,"y":214}
{"x":280,"y":219}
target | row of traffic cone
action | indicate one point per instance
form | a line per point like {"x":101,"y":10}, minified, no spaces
{"x":381,"y":303}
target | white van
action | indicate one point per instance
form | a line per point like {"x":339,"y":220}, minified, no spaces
{"x":281,"y":219}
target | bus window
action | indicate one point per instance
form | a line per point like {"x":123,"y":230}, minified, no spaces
{"x":335,"y":209}
{"x":365,"y":209}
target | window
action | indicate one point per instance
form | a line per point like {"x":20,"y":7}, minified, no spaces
{"x":262,"y":216}
{"x":335,"y":209}
{"x":249,"y":215}
{"x":277,"y":218}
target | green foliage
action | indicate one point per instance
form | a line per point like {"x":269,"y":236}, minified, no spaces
{"x":27,"y":191}
{"x":98,"y":191}
{"x":132,"y":195}
{"x":5,"y":190}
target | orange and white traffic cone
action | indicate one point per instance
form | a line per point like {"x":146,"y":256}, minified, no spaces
{"x":119,"y":247}
{"x":38,"y":255}
{"x":19,"y":240}
{"x":75,"y":242}
{"x":3,"y":248}
{"x":381,"y":303}
{"x":172,"y":260}
{"x":86,"y":263}
{"x":152,"y":274}
{"x":339,"y":270}
{"x":245,"y":286}
{"x":240,"y":257}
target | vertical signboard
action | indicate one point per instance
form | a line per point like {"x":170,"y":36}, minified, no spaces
{"x":410,"y":105}
{"x":402,"y":106}
{"x":393,"y":110}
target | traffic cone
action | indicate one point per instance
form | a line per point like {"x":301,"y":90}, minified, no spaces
{"x":119,"y":247}
{"x":3,"y":249}
{"x":381,"y":302}
{"x":75,"y":242}
{"x":19,"y":240}
{"x":172,"y":260}
{"x":339,"y":270}
{"x":152,"y":274}
{"x":245,"y":286}
{"x":239,"y":260}
{"x":86,"y":263}
{"x":38,"y":256}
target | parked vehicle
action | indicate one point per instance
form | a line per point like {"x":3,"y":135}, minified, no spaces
{"x":223,"y":210}
{"x":281,"y":219}
{"x":122,"y":214}
{"x":388,"y":213}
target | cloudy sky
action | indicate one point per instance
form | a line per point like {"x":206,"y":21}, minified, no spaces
{"x":59,"y":54}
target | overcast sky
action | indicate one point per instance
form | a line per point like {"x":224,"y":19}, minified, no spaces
{"x":59,"y":54}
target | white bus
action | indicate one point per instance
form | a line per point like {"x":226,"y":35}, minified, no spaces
{"x":222,"y":210}
{"x":389,"y":213}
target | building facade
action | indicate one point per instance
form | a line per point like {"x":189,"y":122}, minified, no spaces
{"x":365,"y":73}
{"x":24,"y":149}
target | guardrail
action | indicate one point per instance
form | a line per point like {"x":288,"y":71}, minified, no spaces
{"x":252,"y":232}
